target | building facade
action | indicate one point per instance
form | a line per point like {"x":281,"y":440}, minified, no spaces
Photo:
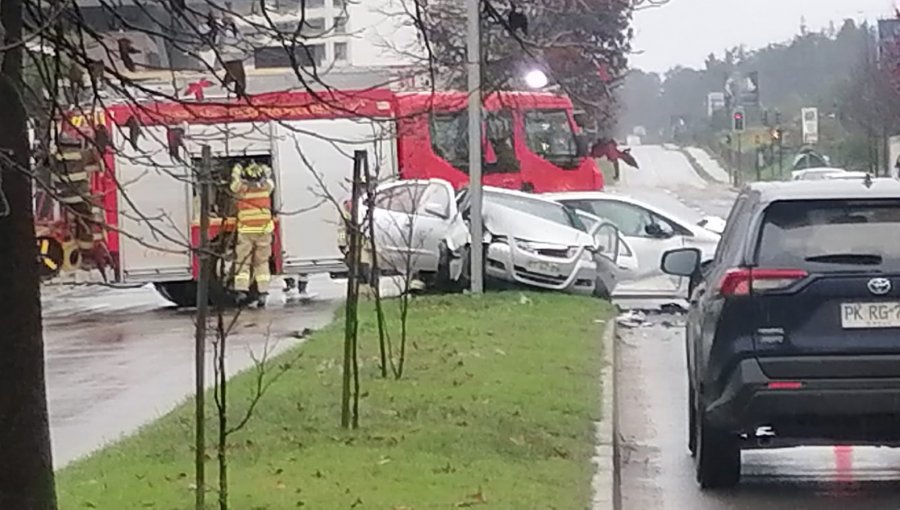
{"x":330,"y":33}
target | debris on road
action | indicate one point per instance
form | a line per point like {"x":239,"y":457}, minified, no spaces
{"x":632,"y":319}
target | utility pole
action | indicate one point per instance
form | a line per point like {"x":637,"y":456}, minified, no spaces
{"x":476,"y":226}
{"x":780,"y":153}
{"x":203,"y":252}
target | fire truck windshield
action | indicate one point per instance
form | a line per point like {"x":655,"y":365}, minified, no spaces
{"x":449,"y":140}
{"x":549,"y":134}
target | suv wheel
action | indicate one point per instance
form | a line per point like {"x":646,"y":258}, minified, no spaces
{"x":718,"y":456}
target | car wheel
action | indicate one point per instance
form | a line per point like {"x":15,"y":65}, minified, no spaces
{"x":718,"y":457}
{"x":692,"y":422}
{"x":184,"y":293}
{"x":465,"y":278}
{"x":442,"y":280}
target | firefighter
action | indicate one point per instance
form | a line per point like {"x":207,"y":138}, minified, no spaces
{"x":74,"y":165}
{"x":252,"y":187}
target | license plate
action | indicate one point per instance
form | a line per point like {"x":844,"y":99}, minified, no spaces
{"x":870,"y":315}
{"x":543,"y":267}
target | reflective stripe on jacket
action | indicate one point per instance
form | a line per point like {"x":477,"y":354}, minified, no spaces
{"x":254,"y":211}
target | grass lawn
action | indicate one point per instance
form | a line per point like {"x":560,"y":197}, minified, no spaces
{"x":495,"y":411}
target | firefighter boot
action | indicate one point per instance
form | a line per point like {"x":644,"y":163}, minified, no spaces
{"x":302,"y":284}
{"x":290,"y":289}
{"x":242,"y":297}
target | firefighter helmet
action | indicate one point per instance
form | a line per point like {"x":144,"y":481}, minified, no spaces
{"x":253,"y":172}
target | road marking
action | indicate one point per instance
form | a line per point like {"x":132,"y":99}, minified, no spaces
{"x":843,"y":463}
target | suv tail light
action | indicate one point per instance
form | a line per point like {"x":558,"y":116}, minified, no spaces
{"x":739,"y":282}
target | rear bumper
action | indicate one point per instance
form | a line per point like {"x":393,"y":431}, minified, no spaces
{"x":748,"y":402}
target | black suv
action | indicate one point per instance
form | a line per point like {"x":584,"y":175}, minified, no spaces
{"x":793,"y":332}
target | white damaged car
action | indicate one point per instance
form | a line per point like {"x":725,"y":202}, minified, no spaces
{"x":421,"y":227}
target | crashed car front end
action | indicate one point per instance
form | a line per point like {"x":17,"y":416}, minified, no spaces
{"x":551,"y":266}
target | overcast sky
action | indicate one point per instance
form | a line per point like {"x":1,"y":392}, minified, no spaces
{"x":684,"y":32}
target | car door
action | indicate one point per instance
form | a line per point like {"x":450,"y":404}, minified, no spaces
{"x":394,"y":217}
{"x":625,"y":259}
{"x":705,"y":302}
{"x":435,"y":220}
{"x":648,"y":236}
{"x":610,"y":270}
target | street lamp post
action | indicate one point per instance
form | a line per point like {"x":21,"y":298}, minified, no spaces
{"x":476,"y":228}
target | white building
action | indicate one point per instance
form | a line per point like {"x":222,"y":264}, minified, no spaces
{"x":335,"y":33}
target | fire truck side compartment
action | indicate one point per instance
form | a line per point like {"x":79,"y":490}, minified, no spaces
{"x":314,"y":154}
{"x":154,"y":205}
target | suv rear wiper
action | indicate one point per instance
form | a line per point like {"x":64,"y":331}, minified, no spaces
{"x":862,"y":259}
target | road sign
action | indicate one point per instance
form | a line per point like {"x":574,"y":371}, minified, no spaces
{"x":714,"y":101}
{"x":810,"y":125}
{"x":742,"y":89}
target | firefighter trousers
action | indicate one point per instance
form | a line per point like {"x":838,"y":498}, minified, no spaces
{"x":252,"y":261}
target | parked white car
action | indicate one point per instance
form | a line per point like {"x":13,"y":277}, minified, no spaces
{"x":421,"y":227}
{"x":846,"y":176}
{"x":816,"y":174}
{"x":649,"y":232}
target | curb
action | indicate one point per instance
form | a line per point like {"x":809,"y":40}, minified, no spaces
{"x":698,"y":168}
{"x":604,"y":483}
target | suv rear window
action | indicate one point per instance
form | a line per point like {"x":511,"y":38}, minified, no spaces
{"x":831,"y":235}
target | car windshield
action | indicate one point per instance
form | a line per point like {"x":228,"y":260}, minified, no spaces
{"x":830,"y":234}
{"x":550,"y":135}
{"x":556,"y":213}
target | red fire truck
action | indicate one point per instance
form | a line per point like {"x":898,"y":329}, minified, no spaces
{"x":143,"y":196}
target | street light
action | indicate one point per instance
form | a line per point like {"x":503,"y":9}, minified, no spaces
{"x":536,"y":79}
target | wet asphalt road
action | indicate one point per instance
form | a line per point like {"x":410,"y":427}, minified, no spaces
{"x":655,"y":469}
{"x":118,"y":358}
{"x":657,"y":472}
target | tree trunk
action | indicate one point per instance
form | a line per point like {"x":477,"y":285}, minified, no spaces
{"x":26,"y":469}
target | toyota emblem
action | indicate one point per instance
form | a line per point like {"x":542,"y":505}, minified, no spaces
{"x":879,"y":286}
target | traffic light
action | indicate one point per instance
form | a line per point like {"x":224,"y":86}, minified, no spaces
{"x":765,"y":117}
{"x":738,"y":121}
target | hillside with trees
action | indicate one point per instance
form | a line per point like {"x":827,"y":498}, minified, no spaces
{"x":834,"y":70}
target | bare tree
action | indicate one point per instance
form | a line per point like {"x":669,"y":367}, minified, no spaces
{"x":581,"y":44}
{"x":26,"y":473}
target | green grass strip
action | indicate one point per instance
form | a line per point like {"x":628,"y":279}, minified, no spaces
{"x":495,"y":410}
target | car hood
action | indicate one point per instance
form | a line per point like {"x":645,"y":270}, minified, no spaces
{"x":500,"y":220}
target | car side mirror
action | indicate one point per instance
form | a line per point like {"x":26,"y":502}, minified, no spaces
{"x":436,"y":209}
{"x":582,"y":145}
{"x":681,"y":262}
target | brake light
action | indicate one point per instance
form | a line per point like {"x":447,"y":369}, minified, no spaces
{"x":739,"y":282}
{"x":785,"y":385}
